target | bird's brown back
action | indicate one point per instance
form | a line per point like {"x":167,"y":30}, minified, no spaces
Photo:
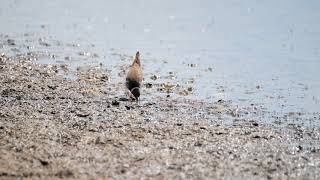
{"x":135,"y":71}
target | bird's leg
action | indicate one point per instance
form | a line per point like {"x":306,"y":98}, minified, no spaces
{"x":131,"y":97}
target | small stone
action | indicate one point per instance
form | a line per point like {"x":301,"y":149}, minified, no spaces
{"x":147,"y":119}
{"x":192,"y":65}
{"x":83,"y":53}
{"x":82,"y":115}
{"x":44,"y":44}
{"x":122,"y":171}
{"x":154,"y":77}
{"x":123,"y":99}
{"x":148,"y":85}
{"x":11,"y":42}
{"x":184,"y":93}
{"x":220,"y":101}
{"x":64,"y":173}
{"x":256,"y":136}
{"x":115,"y":103}
{"x":44,"y":162}
{"x":104,"y":78}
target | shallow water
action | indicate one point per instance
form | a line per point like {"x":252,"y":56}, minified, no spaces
{"x":262,"y":53}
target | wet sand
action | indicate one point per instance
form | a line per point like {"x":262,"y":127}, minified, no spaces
{"x":60,"y":123}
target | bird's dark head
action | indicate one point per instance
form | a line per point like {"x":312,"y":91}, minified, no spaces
{"x":136,"y":92}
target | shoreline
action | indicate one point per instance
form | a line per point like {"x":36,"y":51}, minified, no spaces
{"x":55,"y":127}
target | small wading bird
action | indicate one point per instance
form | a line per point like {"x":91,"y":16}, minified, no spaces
{"x":134,"y":78}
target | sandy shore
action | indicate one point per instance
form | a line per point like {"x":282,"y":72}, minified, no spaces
{"x":53,"y":126}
